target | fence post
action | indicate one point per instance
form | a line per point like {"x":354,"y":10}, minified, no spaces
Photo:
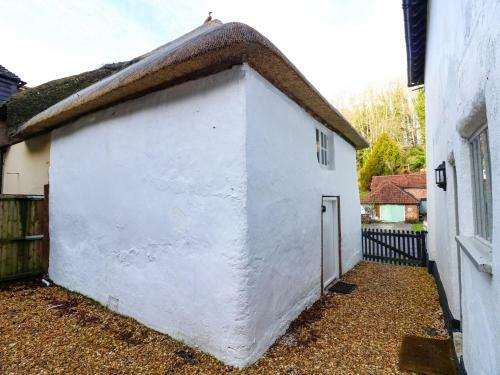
{"x":23,"y":245}
{"x":44,"y":217}
{"x":364,"y":242}
{"x":425,"y":256}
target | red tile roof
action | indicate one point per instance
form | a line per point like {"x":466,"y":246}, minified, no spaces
{"x":417,"y":193}
{"x":402,"y":180}
{"x":389,"y":193}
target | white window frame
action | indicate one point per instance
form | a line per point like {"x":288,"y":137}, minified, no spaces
{"x":481,"y":183}
{"x":324,"y":148}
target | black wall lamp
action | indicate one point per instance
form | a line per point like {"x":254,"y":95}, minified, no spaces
{"x":441,"y":175}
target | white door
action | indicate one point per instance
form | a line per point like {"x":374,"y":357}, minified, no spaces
{"x":330,"y":241}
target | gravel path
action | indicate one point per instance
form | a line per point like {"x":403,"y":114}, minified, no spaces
{"x":360,"y":333}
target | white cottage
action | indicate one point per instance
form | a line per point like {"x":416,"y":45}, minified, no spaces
{"x":186,"y":191}
{"x":455,"y":45}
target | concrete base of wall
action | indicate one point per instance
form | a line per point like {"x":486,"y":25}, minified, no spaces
{"x":452,"y":325}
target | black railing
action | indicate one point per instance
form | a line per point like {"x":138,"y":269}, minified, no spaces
{"x":401,"y":247}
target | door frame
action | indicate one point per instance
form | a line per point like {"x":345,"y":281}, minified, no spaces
{"x":339,"y":225}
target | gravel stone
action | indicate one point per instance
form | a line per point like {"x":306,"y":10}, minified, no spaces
{"x":49,"y":330}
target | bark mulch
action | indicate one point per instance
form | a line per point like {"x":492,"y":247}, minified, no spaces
{"x":48,"y":330}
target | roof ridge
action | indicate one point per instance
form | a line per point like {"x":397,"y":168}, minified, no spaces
{"x":416,"y":180}
{"x":211,"y":48}
{"x":205,"y":27}
{"x":401,"y":175}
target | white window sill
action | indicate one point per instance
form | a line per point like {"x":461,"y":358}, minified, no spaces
{"x":478,"y":252}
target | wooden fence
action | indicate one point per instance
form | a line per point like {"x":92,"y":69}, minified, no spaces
{"x":24,"y":245}
{"x":395,"y":247}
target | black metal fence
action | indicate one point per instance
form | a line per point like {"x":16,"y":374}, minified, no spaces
{"x":401,"y":247}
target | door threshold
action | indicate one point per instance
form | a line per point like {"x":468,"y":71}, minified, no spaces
{"x":330,"y":284}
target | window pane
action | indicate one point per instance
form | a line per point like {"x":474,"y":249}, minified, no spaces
{"x":477,"y":188}
{"x":486,"y":184}
{"x":481,"y":184}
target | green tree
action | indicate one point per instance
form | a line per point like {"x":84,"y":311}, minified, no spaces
{"x":414,"y":157}
{"x":392,"y":110}
{"x":361,"y":156}
{"x":399,"y":114}
{"x":419,"y":105}
{"x":384,"y":158}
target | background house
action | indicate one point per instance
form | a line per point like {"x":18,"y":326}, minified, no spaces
{"x":26,"y":160}
{"x":174,"y":199}
{"x":9,"y":84}
{"x":454,"y":49}
{"x":396,"y":198}
{"x":24,"y":165}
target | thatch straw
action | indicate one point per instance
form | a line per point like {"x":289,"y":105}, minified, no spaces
{"x":27,"y":103}
{"x":210,"y":48}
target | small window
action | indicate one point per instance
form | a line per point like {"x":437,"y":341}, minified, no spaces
{"x":481,"y":184}
{"x":322,"y":148}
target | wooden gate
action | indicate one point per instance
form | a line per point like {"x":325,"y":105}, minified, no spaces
{"x":23,"y":236}
{"x":395,"y":247}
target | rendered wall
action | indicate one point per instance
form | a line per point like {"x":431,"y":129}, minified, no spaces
{"x":197,"y":211}
{"x":462,"y":91}
{"x":26,"y":166}
{"x":147,"y":211}
{"x":285,"y":188}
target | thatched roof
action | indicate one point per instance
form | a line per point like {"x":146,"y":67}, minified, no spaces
{"x":208,"y":49}
{"x":30,"y":102}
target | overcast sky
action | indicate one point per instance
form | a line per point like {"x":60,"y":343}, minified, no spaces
{"x":341,"y":46}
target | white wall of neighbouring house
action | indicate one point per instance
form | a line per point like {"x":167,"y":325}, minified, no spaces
{"x":26,"y":166}
{"x":462,"y":92}
{"x":285,"y":189}
{"x":147,"y":211}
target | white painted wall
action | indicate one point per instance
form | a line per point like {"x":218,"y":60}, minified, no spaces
{"x":462,"y":88}
{"x":147,"y":205}
{"x":198,"y":208}
{"x":285,"y":188}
